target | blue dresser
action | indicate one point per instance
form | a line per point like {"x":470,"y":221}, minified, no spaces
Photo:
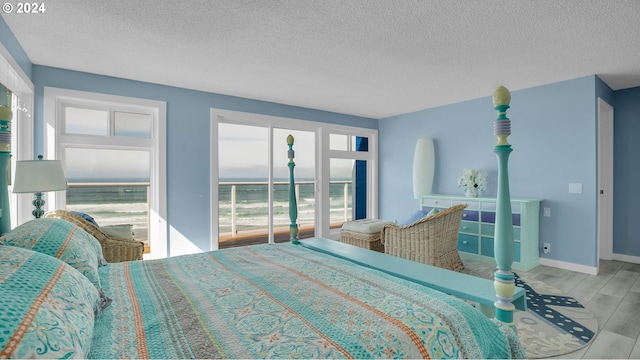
{"x":475,"y":238}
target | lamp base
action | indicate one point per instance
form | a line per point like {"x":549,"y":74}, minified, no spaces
{"x":38,"y":202}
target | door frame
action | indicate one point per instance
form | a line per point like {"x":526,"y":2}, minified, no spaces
{"x":605,"y":180}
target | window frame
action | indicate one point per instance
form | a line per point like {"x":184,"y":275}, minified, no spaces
{"x":57,"y":140}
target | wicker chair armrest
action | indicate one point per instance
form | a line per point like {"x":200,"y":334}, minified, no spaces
{"x":114,"y":249}
{"x":418,"y":225}
{"x":119,"y":250}
{"x":79,"y":221}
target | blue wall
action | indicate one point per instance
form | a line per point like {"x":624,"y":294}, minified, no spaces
{"x":188,"y":142}
{"x":626,"y":172}
{"x":554,"y":144}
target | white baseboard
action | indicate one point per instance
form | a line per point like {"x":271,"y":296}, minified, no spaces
{"x":591,"y":270}
{"x":627,"y":258}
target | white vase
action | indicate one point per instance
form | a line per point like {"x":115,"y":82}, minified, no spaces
{"x":472,"y":192}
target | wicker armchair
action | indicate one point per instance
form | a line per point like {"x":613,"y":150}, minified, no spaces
{"x":432,"y":240}
{"x":114,"y":249}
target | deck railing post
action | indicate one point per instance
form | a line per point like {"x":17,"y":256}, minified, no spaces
{"x":234,"y":230}
{"x":346,"y":201}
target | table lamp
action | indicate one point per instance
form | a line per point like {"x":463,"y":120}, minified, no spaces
{"x":38,"y":176}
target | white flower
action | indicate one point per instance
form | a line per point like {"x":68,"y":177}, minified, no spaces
{"x":473,"y":178}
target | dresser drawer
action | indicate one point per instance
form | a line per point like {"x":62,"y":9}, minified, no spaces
{"x":439,"y":203}
{"x":470,"y":215}
{"x":490,"y":206}
{"x":486,"y":248}
{"x":487,"y":229}
{"x":490,"y":217}
{"x":469,"y":227}
{"x":468,"y":243}
{"x":490,"y":230}
{"x":471,"y":205}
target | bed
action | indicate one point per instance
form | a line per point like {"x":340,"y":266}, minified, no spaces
{"x":261,"y":301}
{"x":60,"y":299}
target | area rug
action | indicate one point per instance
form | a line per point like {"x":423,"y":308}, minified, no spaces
{"x":553,"y":324}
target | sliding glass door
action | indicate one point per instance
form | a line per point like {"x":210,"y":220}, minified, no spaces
{"x":334,"y":178}
{"x":253,"y":184}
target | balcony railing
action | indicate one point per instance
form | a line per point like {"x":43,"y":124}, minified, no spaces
{"x":243,"y":205}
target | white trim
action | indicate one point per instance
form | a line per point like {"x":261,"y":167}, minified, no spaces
{"x":13,"y":77}
{"x":213,"y":176}
{"x":55,"y":139}
{"x":569,"y":266}
{"x":605,"y":181}
{"x":627,"y":258}
{"x":323,"y":155}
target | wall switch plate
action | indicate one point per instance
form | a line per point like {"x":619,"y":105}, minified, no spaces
{"x":546,"y":212}
{"x":575,"y":188}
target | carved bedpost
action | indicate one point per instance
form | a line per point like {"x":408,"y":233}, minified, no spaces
{"x":504,"y":279}
{"x":293,"y":206}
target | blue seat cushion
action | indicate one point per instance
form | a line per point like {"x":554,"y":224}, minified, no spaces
{"x":86,"y":217}
{"x":418,"y":215}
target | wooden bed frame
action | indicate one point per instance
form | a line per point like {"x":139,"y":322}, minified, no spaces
{"x":458,"y":284}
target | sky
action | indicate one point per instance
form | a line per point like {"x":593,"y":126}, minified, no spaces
{"x":243,"y":149}
{"x":243,"y":153}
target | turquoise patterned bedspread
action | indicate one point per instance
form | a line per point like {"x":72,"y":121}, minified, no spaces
{"x":283,"y":301}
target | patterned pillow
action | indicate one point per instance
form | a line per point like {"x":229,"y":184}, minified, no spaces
{"x":46,"y":306}
{"x":95,"y":244}
{"x":62,"y":240}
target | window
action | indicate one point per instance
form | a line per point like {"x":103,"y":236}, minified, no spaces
{"x":113,"y":152}
{"x":349,"y":166}
{"x":86,"y":121}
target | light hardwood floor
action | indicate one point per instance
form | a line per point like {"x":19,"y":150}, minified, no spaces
{"x":613,"y":296}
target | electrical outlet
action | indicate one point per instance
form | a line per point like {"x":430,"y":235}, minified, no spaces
{"x":546,"y":248}
{"x":547,"y":212}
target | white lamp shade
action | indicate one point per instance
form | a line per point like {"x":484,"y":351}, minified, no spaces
{"x":424,"y":161}
{"x":34,"y":176}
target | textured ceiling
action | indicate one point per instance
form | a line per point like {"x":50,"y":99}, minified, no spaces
{"x":373,"y":58}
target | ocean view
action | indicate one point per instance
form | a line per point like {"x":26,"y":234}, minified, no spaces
{"x":251,"y":204}
{"x":112,"y":205}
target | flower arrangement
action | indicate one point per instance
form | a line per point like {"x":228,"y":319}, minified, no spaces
{"x":473,"y":181}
